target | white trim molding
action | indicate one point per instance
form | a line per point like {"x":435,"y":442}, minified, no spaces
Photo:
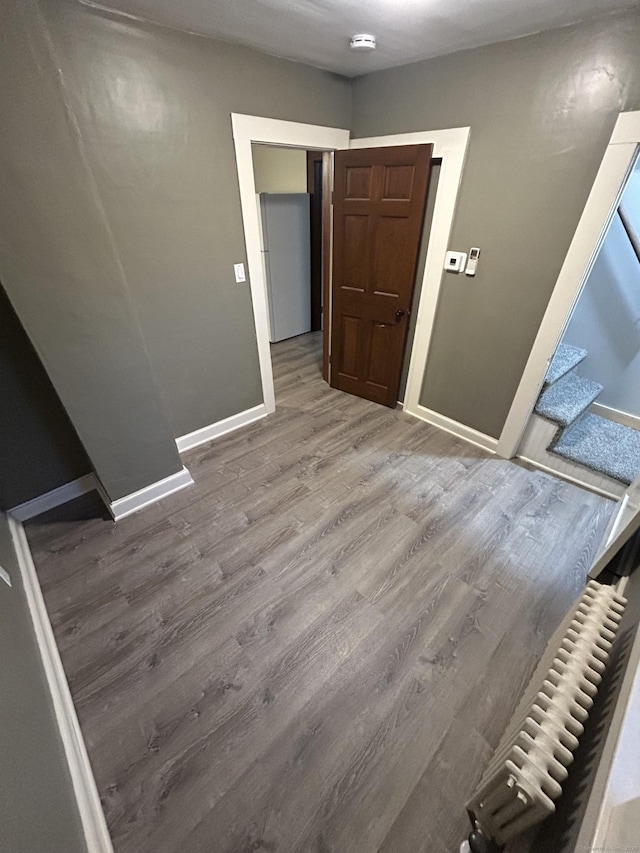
{"x":449,"y":145}
{"x":291,"y":134}
{"x":616,"y":166}
{"x":562,"y":475}
{"x":616,"y":415}
{"x":247,"y":130}
{"x":150,"y":494}
{"x":54,"y":498}
{"x":220,"y":428}
{"x":122,"y":507}
{"x":472,"y":436}
{"x":84,"y":786}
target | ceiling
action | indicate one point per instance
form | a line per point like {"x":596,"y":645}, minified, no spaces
{"x":317,"y":31}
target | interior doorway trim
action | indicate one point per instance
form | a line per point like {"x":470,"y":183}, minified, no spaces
{"x":248,"y":129}
{"x":617,"y":163}
{"x":449,"y":145}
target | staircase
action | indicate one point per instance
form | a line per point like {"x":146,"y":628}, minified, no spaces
{"x":564,"y":437}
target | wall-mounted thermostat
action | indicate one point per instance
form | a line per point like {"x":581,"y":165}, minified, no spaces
{"x":455,"y":261}
{"x":474,"y":254}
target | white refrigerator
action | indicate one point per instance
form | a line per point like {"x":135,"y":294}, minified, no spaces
{"x":286,"y":252}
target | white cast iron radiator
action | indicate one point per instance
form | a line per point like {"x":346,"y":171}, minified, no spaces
{"x":525,"y":775}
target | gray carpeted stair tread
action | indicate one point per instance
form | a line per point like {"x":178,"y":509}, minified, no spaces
{"x":566,"y":399}
{"x":565,"y":359}
{"x":601,"y":445}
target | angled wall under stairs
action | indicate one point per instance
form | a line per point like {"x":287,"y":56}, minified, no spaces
{"x":567,"y":439}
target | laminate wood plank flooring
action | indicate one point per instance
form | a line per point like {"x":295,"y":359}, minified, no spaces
{"x":317,"y":646}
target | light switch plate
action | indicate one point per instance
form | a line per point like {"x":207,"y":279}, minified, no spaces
{"x":455,"y":261}
{"x":239,"y":273}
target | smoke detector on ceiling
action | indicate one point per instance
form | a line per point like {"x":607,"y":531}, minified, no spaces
{"x":363,"y":41}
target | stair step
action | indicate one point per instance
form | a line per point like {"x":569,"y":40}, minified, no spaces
{"x":565,"y":359}
{"x":601,"y":445}
{"x":541,"y":434}
{"x":567,"y":398}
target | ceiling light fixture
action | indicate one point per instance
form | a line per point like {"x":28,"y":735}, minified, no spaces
{"x":363,"y":41}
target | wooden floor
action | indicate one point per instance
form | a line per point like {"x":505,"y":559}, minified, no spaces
{"x":316,"y":647}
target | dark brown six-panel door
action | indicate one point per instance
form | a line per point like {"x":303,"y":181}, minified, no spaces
{"x":379,"y":202}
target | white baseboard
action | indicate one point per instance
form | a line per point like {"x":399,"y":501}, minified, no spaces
{"x":486,"y":442}
{"x":119,"y":508}
{"x":84,"y":786}
{"x":616,"y":415}
{"x":122,"y":507}
{"x":563,"y":476}
{"x":54,"y":498}
{"x":208,"y":433}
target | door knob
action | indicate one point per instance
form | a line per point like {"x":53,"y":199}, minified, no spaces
{"x":400,"y":314}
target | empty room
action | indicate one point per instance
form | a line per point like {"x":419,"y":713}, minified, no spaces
{"x":320,"y":458}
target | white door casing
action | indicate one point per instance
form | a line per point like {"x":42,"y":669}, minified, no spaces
{"x":247,"y":130}
{"x":603,"y":200}
{"x":449,"y":145}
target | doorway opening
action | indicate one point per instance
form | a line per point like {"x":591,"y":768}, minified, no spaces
{"x":384,"y":202}
{"x":294,"y":218}
{"x":289,"y":253}
{"x":449,"y":146}
{"x":586,"y":421}
{"x":585,"y":424}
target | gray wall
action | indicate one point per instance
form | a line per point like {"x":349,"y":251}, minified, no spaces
{"x":154,"y":106}
{"x":39,"y":449}
{"x":37,"y":808}
{"x":61,"y":268}
{"x":541,"y":111}
{"x":606,"y":319}
{"x":121,"y":220}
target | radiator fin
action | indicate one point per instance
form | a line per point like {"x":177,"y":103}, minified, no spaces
{"x":526,"y":773}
